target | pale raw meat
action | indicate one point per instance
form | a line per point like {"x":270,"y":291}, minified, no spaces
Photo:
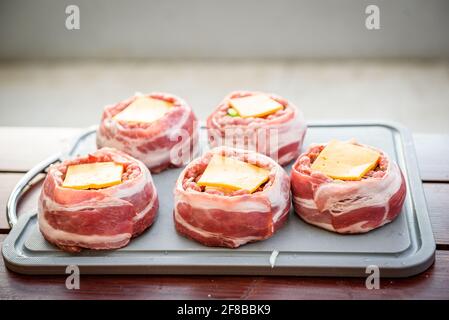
{"x":157,"y":144}
{"x":231,"y":220}
{"x":97,"y":218}
{"x":347,"y":206}
{"x":279,"y":135}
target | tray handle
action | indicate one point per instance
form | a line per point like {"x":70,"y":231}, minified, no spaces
{"x":11,"y":206}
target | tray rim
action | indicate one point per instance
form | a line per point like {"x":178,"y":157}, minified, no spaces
{"x":410,"y":265}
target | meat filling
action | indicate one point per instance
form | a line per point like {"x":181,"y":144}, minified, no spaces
{"x":193,"y":175}
{"x":122,"y":106}
{"x":224,"y":119}
{"x":305,"y":162}
{"x":130,"y":170}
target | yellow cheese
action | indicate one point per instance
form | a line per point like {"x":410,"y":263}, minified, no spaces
{"x":255,"y":106}
{"x":229,"y":173}
{"x":96,"y":175}
{"x":345,"y":161}
{"x":144,"y":109}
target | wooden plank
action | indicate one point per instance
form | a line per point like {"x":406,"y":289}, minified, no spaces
{"x":437,"y":195}
{"x":432,"y":284}
{"x":24,"y":147}
{"x":433,"y":154}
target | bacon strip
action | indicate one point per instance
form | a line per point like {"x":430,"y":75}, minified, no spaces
{"x":279,"y":135}
{"x":347,"y":206}
{"x":156,"y":144}
{"x":232,"y":220}
{"x":97,"y":219}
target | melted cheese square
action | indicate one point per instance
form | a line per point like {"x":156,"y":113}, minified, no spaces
{"x":345,"y":161}
{"x":229,"y":173}
{"x":255,"y":106}
{"x":144,"y":109}
{"x":96,"y":175}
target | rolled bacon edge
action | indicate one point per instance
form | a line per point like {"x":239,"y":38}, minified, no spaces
{"x":279,"y":135}
{"x":216,"y":219}
{"x":102,"y":218}
{"x":347,"y":206}
{"x":168,"y":142}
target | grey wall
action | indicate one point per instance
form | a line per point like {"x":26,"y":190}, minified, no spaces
{"x":223,"y":29}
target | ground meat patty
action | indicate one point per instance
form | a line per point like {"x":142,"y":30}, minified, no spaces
{"x":97,"y":218}
{"x":279,"y":135}
{"x":347,"y":206}
{"x":231,"y":220}
{"x":168,"y":142}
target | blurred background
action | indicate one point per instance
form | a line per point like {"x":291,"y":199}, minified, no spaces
{"x":318,"y":54}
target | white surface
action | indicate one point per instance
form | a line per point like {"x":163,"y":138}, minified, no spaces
{"x":415,"y":93}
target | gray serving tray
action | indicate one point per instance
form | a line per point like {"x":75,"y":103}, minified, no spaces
{"x":402,"y":248}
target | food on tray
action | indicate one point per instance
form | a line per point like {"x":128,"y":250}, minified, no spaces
{"x":98,"y":201}
{"x":258,"y":121}
{"x":347,"y":187}
{"x":230,"y":197}
{"x":159,"y":129}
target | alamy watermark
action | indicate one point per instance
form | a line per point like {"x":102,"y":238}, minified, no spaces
{"x":72,"y":282}
{"x":267,"y":141}
{"x":373,"y":279}
{"x":72,"y":21}
{"x":372,"y":21}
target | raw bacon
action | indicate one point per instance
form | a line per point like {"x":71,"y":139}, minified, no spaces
{"x":168,"y":142}
{"x":347,"y":206}
{"x":231,"y":220}
{"x":97,"y":218}
{"x":279,"y":135}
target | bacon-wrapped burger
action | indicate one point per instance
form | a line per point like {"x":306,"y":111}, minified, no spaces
{"x":230,"y":197}
{"x":347,"y":187}
{"x":262,"y":122}
{"x":98,"y":201}
{"x":159,"y":129}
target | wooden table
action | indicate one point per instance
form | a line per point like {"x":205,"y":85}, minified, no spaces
{"x":24,"y":147}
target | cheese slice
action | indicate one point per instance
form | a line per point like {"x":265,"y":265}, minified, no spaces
{"x":229,"y":173}
{"x":144,"y":109}
{"x":345,"y":161}
{"x":255,"y":106}
{"x":96,"y":175}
